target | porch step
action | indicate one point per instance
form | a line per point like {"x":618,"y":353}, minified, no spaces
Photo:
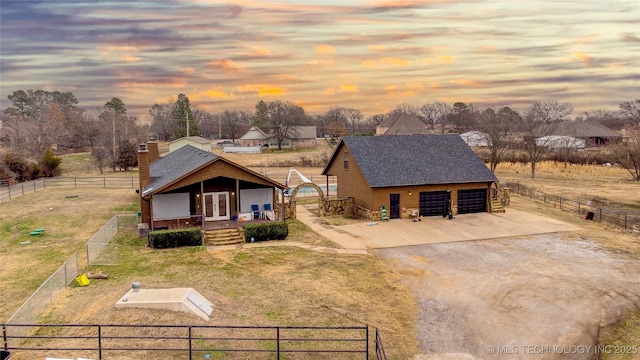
{"x":496,"y":206}
{"x":223,"y":237}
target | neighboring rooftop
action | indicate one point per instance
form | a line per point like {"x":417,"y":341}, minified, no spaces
{"x":403,"y":124}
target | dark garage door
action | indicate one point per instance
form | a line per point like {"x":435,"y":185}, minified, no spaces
{"x":433,"y":203}
{"x":472,"y":201}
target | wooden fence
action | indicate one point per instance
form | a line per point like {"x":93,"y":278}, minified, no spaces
{"x":625,"y":219}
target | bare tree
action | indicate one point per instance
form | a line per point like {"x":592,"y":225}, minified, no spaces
{"x":435,"y":113}
{"x":630,"y":110}
{"x":354,"y":117}
{"x":533,"y":129}
{"x":281,"y":117}
{"x":161,"y":122}
{"x":627,"y":154}
{"x":499,"y":128}
{"x":405,"y":109}
{"x":550,"y":111}
{"x":235,"y":122}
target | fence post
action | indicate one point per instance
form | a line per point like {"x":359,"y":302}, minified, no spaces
{"x":75,"y":182}
{"x":189,"y":339}
{"x":9,"y":188}
{"x":99,"y":342}
{"x":278,"y":342}
{"x":34,"y":185}
{"x":560,"y":199}
{"x":104,"y":182}
{"x":366,"y":329}
{"x":625,"y":221}
{"x":600,"y":210}
{"x":22,"y":188}
{"x":578,"y":208}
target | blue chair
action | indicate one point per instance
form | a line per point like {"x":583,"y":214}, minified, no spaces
{"x":256,"y":211}
{"x":265,"y":208}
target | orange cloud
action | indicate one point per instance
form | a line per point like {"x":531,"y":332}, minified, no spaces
{"x":223,"y":64}
{"x":260,"y":51}
{"x":446,"y":59}
{"x":586,"y":59}
{"x":212,"y":93}
{"x":415,"y":86}
{"x":263,"y":90}
{"x":330,"y":91}
{"x":325,"y":49}
{"x":349,"y":88}
{"x":130,"y":58}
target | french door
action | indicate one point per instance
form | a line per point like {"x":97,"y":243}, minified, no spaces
{"x":216,"y":206}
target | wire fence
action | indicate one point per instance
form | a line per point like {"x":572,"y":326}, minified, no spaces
{"x":621,"y":218}
{"x":10,"y":192}
{"x":33,"y":308}
{"x":100,"y":249}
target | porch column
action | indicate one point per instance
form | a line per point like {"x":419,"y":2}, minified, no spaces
{"x":284,"y":211}
{"x":202,"y":203}
{"x":238,"y":197}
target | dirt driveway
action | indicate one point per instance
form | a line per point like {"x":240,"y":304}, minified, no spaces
{"x":526,"y":298}
{"x":501,"y":286}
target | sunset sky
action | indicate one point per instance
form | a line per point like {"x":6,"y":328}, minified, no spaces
{"x":367,"y":55}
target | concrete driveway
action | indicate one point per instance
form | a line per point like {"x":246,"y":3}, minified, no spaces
{"x":432,"y":230}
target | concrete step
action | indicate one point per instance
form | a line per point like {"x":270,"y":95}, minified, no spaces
{"x":223,"y":237}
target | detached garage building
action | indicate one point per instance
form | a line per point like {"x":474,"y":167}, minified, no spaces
{"x":432,"y":173}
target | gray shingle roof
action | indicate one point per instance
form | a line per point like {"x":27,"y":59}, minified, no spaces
{"x":580,"y":129}
{"x":415,"y":160}
{"x":405,"y":124}
{"x":175,"y":165}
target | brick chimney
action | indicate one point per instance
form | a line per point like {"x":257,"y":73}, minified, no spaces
{"x":154,"y":154}
{"x":143,"y":166}
{"x":145,"y":179}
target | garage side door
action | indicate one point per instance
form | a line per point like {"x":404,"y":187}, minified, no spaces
{"x":433,"y":203}
{"x":472,"y":201}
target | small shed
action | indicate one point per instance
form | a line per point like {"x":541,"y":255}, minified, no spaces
{"x":195,"y":141}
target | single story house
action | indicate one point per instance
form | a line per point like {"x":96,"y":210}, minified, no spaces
{"x":195,"y":141}
{"x":434,"y":174}
{"x":254,"y":137}
{"x":592,"y":133}
{"x":190,"y":186}
{"x":297,"y":136}
{"x":402,"y":124}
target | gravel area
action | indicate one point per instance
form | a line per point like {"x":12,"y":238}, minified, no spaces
{"x":543,"y":296}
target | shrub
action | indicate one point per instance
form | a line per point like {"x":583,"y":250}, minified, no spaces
{"x":266,"y":231}
{"x":50,"y":163}
{"x":163,"y":239}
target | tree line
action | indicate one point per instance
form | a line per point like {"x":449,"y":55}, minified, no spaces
{"x":38,"y":120}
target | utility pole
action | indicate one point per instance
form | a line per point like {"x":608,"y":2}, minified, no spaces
{"x":113,"y":125}
{"x":187,"y":122}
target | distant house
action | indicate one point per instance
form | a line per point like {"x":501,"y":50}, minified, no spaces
{"x":195,"y":141}
{"x":254,"y":137}
{"x":431,"y":173}
{"x":297,"y":136}
{"x":559,"y":142}
{"x":476,"y":138}
{"x":190,"y":185}
{"x":402,"y":124}
{"x":592,"y":133}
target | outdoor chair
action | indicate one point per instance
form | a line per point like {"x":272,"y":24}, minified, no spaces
{"x":256,"y":211}
{"x":266,"y":209}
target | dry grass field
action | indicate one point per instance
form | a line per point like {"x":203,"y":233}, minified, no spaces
{"x":264,"y":286}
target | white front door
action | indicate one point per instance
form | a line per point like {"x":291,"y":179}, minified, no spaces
{"x":216,"y":206}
